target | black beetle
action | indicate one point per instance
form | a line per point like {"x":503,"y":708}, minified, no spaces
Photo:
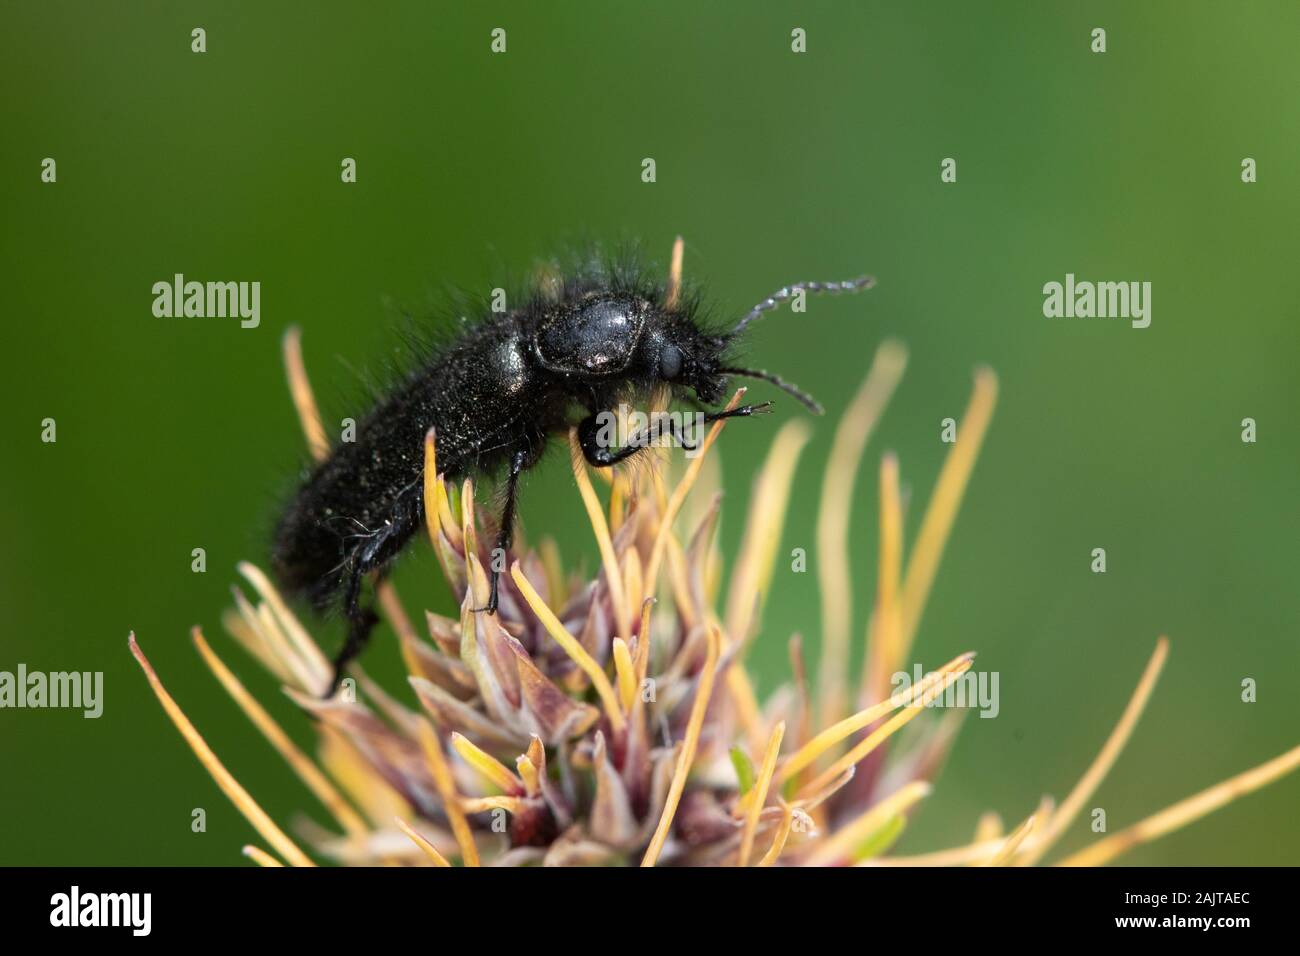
{"x":604,"y":335}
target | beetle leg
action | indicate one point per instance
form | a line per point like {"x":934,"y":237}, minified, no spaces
{"x":361,"y":621}
{"x":371,"y":553}
{"x":739,"y":410}
{"x":599,"y":455}
{"x":505,"y":533}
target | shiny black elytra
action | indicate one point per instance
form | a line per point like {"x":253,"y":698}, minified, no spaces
{"x":494,"y":396}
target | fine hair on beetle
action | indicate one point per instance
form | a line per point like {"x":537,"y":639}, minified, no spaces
{"x":575,"y":346}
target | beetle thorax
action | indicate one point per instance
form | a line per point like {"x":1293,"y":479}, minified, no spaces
{"x":598,"y":335}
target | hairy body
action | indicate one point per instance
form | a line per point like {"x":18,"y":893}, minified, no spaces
{"x":493,"y":397}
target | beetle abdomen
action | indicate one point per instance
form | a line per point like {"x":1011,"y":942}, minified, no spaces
{"x":363,"y":503}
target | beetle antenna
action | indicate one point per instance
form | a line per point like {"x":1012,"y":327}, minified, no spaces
{"x":807,"y":400}
{"x":859,"y":284}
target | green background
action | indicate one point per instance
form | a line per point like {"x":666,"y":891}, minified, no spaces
{"x":175,"y":434}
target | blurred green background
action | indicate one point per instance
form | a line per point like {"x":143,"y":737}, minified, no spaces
{"x":175,"y":434}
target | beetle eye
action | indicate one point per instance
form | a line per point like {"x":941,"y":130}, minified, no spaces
{"x":670,"y":362}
